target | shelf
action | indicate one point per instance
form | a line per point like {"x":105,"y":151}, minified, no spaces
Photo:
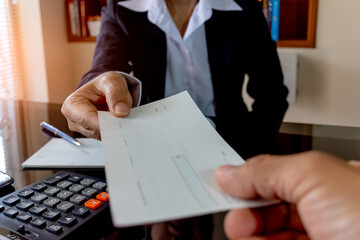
{"x":81,"y":39}
{"x":297,"y":23}
{"x":78,"y":13}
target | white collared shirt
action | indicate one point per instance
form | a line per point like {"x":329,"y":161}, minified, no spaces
{"x":187,"y":57}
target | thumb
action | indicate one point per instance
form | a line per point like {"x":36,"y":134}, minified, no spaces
{"x":285,"y":177}
{"x":232,"y":178}
{"x":115,"y":90}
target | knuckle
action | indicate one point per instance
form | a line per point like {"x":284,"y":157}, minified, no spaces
{"x":92,"y":134}
{"x":82,"y":121}
{"x":67,"y":106}
{"x":314,"y":159}
{"x":114,"y":83}
{"x":259,"y":159}
{"x":111,"y":78}
{"x":72,"y":127}
{"x":64,"y":107}
{"x":64,"y":110}
{"x":97,"y":135}
{"x":307,"y":165}
{"x":112,"y":74}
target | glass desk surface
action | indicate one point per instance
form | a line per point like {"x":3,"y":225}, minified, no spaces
{"x":21,"y":136}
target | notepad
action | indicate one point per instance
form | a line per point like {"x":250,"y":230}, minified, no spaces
{"x":160,"y":163}
{"x":58,"y":153}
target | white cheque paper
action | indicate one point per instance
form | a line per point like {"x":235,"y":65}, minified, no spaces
{"x":160,"y":163}
{"x":59,"y":153}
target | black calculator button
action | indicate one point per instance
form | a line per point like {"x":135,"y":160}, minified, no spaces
{"x":67,"y":220}
{"x":81,"y":211}
{"x":25,"y":205}
{"x":64,"y":195}
{"x":2,"y":208}
{"x":26,"y":193}
{"x":39,"y":187}
{"x":11,"y":212}
{"x":38,"y":222}
{"x":51,"y":202}
{"x":54,"y":228}
{"x":99,"y":186}
{"x":37,"y":210}
{"x":24,"y":217}
{"x":52,"y":191}
{"x":56,"y":178}
{"x":75,"y":179}
{"x":65,"y":206}
{"x":51,"y":215}
{"x":87,"y":182}
{"x":76,"y":188}
{"x":78,"y":199}
{"x":64,"y":185}
{"x":89,"y":192}
{"x":11,"y":201}
{"x":39,"y":197}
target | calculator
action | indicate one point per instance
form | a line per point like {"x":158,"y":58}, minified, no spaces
{"x":65,"y":205}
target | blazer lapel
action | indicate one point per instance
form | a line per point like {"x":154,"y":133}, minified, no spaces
{"x":150,"y":55}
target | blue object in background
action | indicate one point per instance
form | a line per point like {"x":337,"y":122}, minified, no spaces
{"x":275,"y":20}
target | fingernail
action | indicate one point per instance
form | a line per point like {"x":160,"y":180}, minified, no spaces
{"x":225,"y":170}
{"x":121,"y":109}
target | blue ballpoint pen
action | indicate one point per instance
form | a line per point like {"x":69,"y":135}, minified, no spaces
{"x":59,"y":133}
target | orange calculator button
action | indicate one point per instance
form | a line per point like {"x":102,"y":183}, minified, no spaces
{"x":93,"y":204}
{"x":104,"y":196}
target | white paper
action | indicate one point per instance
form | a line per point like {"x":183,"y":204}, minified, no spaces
{"x":59,"y":153}
{"x":160,"y":163}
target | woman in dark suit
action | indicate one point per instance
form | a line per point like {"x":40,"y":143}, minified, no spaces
{"x":151,"y":49}
{"x":237,"y":42}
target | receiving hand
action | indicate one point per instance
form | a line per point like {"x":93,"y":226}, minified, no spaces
{"x":108,"y":91}
{"x":321,"y":193}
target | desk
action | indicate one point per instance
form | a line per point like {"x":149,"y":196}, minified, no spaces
{"x":338,"y":140}
{"x":21,"y":136}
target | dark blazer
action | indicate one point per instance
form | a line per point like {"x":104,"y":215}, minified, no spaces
{"x":238,"y":43}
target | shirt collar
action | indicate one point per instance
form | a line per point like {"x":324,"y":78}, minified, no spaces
{"x":146,"y":5}
{"x":159,"y":15}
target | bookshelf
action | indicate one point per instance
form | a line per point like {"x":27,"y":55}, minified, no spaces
{"x":81,"y":18}
{"x":297,"y":21}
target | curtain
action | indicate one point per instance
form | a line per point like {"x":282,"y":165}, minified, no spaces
{"x":11,"y":88}
{"x":10,"y":51}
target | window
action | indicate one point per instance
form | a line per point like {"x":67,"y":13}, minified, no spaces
{"x":10,"y":80}
{"x":10,"y":67}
